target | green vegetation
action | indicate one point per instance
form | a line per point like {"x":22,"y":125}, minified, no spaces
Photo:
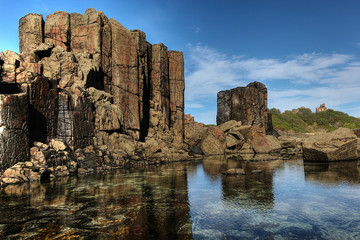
{"x":304,"y":120}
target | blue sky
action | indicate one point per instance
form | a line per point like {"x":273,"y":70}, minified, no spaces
{"x":307,"y":52}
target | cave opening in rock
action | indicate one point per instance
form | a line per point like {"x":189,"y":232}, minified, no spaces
{"x":37,"y":126}
{"x":44,"y":53}
{"x":95,"y":79}
{"x":17,"y":63}
{"x":9,"y":88}
{"x":1,"y":64}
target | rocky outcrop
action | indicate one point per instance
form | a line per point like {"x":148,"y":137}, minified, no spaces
{"x":243,"y":116}
{"x":213,"y":142}
{"x":265,"y":144}
{"x":337,"y":145}
{"x":290,"y":145}
{"x":14,"y":135}
{"x":88,"y":81}
{"x":246,"y":104}
{"x":30,"y":32}
{"x":322,"y":108}
{"x":193,"y":131}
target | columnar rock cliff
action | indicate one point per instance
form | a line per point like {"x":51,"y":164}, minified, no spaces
{"x":246,"y":104}
{"x":87,"y":80}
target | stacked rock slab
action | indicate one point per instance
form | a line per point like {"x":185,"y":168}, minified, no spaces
{"x":246,"y":104}
{"x":62,"y":58}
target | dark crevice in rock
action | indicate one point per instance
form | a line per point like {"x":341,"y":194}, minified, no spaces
{"x":114,"y":131}
{"x":95,"y":79}
{"x":42,"y":29}
{"x":235,"y":136}
{"x":45,"y":176}
{"x":43,"y":53}
{"x":9,"y":88}
{"x":37,"y":126}
{"x":1,"y":64}
{"x":17,"y":63}
{"x":232,"y":147}
{"x":144,"y":124}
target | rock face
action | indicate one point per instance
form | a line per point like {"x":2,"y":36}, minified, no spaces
{"x":322,"y":108}
{"x":265,"y":144}
{"x":86,"y":80}
{"x":246,"y":104}
{"x":243,"y":116}
{"x":193,"y":131}
{"x":213,"y":142}
{"x":337,"y":145}
{"x":30,"y":32}
{"x":14,"y":143}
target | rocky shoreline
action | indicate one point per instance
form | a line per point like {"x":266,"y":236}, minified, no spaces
{"x":87,"y":95}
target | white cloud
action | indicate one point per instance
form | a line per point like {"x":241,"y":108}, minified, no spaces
{"x":194,"y":105}
{"x":305,"y":80}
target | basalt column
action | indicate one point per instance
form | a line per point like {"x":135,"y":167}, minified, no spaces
{"x":125,"y":77}
{"x":143,"y":49}
{"x":246,"y":104}
{"x":90,"y":34}
{"x":57,"y":29}
{"x":177,"y":88}
{"x":14,"y":136}
{"x":30,"y":32}
{"x":160,"y":89}
{"x":43,"y":109}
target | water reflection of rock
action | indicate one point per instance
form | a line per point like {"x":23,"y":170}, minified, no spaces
{"x":252,"y":190}
{"x":152,"y":203}
{"x":333,"y":173}
{"x":165,"y":210}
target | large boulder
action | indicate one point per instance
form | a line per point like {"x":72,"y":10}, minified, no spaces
{"x":234,"y":138}
{"x":337,"y":145}
{"x":213,"y":142}
{"x":246,"y":104}
{"x":265,"y":144}
{"x":193,"y":131}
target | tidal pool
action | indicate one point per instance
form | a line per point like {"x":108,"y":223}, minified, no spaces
{"x":288,"y":200}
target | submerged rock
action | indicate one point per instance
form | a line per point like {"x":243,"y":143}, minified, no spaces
{"x":234,"y":171}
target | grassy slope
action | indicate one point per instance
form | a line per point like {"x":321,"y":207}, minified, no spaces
{"x":306,"y":121}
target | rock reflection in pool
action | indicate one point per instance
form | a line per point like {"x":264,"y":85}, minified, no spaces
{"x":122,"y":205}
{"x":191,"y":201}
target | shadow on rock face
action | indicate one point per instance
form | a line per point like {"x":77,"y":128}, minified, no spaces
{"x":9,"y":88}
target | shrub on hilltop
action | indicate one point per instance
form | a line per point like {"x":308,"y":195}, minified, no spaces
{"x":304,"y":120}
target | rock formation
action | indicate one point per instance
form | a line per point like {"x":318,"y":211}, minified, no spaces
{"x":243,"y":116}
{"x":322,"y":108}
{"x":86,"y":81}
{"x":246,"y":104}
{"x":337,"y":145}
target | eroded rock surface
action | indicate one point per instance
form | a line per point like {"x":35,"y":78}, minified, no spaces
{"x":90,"y":82}
{"x":246,"y":104}
{"x":337,"y":145}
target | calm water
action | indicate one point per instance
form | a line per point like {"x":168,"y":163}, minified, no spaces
{"x":288,"y":200}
